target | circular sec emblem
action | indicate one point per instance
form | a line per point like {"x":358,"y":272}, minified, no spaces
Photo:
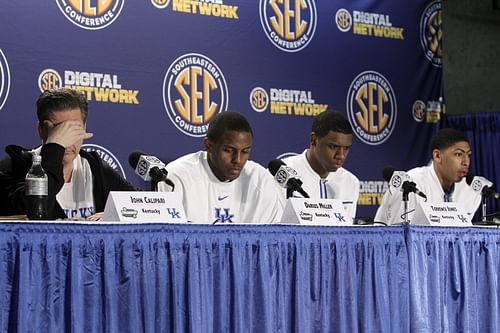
{"x":49,"y":79}
{"x":371,"y":107}
{"x":418,"y":110}
{"x":259,"y":100}
{"x":194,"y":91}
{"x":343,"y":19}
{"x":142,"y":167}
{"x":281,"y":176}
{"x":160,"y":4}
{"x":431,"y":33}
{"x":477,"y":185}
{"x":396,"y":181}
{"x":288,"y":24}
{"x":91,"y":15}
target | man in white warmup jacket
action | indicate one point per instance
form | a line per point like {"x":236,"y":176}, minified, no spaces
{"x":443,"y":180}
{"x":320,"y":166}
{"x":220,"y":184}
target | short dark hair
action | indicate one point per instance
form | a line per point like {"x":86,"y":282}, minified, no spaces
{"x":60,"y":99}
{"x":331,"y":120}
{"x":447,"y":137}
{"x":227,"y":121}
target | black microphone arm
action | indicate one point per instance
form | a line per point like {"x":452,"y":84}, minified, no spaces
{"x":490,"y":192}
{"x":296,"y":185}
{"x":412,"y":187}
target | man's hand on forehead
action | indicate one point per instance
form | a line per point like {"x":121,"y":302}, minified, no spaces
{"x":65,"y":133}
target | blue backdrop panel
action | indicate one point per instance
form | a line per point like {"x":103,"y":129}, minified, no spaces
{"x":155,"y":72}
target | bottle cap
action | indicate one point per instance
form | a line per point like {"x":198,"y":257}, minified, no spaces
{"x":36,"y":157}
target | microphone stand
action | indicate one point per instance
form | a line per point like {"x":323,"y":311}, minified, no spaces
{"x":289,"y":193}
{"x":484,"y":218}
{"x":154,"y":185}
{"x":157,"y":176}
{"x":406,"y":193}
{"x":155,"y":181}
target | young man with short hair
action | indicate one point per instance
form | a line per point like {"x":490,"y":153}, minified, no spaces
{"x":221,"y":184}
{"x":321,"y":165}
{"x":443,"y":180}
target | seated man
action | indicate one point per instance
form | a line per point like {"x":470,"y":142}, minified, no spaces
{"x":221,"y":184}
{"x":78,"y":181}
{"x":441,"y":181}
{"x":320,"y":166}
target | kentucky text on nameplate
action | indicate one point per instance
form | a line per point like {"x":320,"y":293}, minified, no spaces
{"x":315,"y":212}
{"x":445,"y":214}
{"x":139,"y":207}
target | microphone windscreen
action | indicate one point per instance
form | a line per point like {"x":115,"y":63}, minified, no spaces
{"x":469,"y":179}
{"x":387,"y":172}
{"x":274,"y":166}
{"x":134,"y":157}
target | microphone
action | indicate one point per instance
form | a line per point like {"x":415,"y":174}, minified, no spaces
{"x":286,"y":177}
{"x":149,"y":168}
{"x":400,"y":179}
{"x":478,"y":183}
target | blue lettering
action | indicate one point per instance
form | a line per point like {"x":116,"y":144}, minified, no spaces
{"x":226,"y":216}
{"x":340,"y":217}
{"x":173,"y":213}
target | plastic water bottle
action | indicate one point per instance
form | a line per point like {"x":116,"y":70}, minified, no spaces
{"x":36,"y":190}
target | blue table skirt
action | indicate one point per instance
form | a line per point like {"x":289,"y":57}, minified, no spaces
{"x":58,"y":277}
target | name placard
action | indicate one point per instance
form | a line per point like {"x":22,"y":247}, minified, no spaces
{"x":315,"y":212}
{"x":137,"y":207}
{"x":443,"y":214}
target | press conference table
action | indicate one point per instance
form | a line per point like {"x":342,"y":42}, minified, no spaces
{"x":57,"y":277}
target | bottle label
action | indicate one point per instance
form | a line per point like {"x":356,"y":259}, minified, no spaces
{"x":37,"y":186}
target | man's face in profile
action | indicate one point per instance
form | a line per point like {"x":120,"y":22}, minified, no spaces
{"x":452,"y":163}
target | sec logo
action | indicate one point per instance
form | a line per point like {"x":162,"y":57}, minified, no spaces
{"x":371,"y":107}
{"x":288,"y":24}
{"x":90,"y":14}
{"x":194,"y":91}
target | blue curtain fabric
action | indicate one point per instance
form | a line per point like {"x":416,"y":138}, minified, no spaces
{"x":454,"y":279}
{"x":483,"y":131}
{"x":59,"y":277}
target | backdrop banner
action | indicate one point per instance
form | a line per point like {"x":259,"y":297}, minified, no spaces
{"x":156,"y":72}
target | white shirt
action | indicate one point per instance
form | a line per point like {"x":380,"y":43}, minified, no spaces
{"x":251,"y":198}
{"x":392,"y":207}
{"x":76,"y":198}
{"x":341,"y":184}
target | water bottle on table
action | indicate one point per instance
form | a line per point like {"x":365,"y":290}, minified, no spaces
{"x":36,"y":190}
